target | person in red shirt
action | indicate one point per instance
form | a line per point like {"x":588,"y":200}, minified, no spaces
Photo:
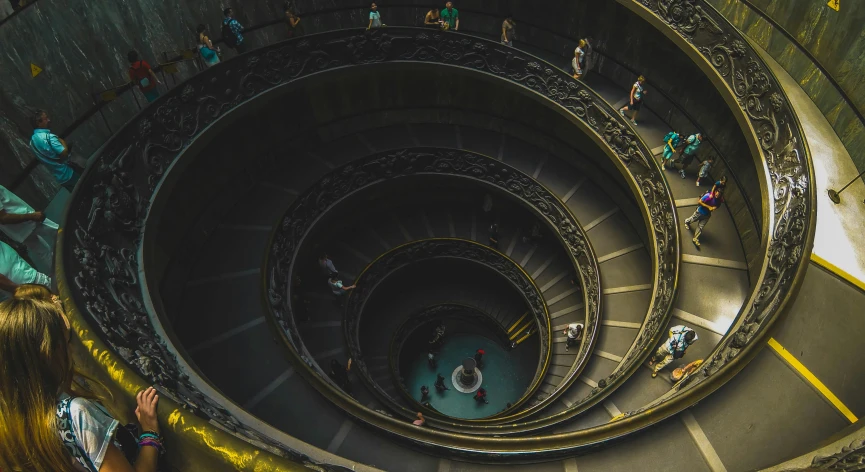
{"x":142,"y":75}
{"x":479,"y":357}
{"x":481,"y":395}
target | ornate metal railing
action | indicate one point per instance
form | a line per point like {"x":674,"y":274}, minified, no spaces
{"x":99,"y":251}
{"x":444,"y":248}
{"x":589,"y":112}
{"x":339,"y":184}
{"x":789,"y":211}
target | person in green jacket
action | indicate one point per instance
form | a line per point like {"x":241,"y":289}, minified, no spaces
{"x":451,"y":16}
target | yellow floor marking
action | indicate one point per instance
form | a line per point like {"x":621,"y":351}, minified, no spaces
{"x":804,"y":372}
{"x":513,"y":326}
{"x":526,"y":336}
{"x":837,"y":271}
{"x":520,"y":330}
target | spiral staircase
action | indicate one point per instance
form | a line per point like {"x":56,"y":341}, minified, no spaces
{"x":189,"y":254}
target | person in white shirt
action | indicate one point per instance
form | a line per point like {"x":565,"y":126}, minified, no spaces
{"x":578,"y":63}
{"x":681,"y":337}
{"x":26,"y":226}
{"x":575,"y":333}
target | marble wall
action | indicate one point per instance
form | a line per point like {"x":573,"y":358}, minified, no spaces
{"x":81,"y":47}
{"x":833,"y":38}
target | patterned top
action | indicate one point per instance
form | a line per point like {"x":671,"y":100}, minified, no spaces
{"x":86,"y":429}
{"x":236,"y":28}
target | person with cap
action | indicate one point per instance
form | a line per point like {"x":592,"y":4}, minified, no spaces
{"x":481,"y":395}
{"x":574,"y":332}
{"x":479,"y":357}
{"x":681,"y":338}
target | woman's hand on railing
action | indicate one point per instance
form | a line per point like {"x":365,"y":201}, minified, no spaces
{"x":146,"y":410}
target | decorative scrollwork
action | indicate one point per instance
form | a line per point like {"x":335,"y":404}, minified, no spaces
{"x":791,"y":194}
{"x":849,"y":458}
{"x":361,"y":173}
{"x":100,"y":249}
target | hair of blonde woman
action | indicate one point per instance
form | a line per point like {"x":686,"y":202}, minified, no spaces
{"x":35,"y":367}
{"x":581,"y":44}
{"x":641,"y":79}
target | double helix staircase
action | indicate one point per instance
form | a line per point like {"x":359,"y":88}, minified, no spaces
{"x":239,"y":350}
{"x":218,"y":316}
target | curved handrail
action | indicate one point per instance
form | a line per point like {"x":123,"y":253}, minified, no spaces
{"x":768,"y":119}
{"x":444,"y":248}
{"x":608,"y":129}
{"x":289,"y":234}
{"x":105,"y":219}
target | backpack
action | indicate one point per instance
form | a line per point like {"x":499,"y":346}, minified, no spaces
{"x":680,"y":340}
{"x":228,"y":35}
{"x":141,"y":75}
{"x":674,"y":136}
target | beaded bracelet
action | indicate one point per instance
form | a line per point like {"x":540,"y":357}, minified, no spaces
{"x":153,"y":434}
{"x":152,"y":443}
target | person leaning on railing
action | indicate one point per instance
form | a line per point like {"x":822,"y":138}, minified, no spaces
{"x":208,"y":53}
{"x":15,"y":271}
{"x":24,"y":225}
{"x":52,"y":151}
{"x":141,"y":74}
{"x":292,"y":22}
{"x":433,"y":18}
{"x":49,"y":419}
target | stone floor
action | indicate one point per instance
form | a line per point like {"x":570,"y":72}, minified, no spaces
{"x":506,"y":375}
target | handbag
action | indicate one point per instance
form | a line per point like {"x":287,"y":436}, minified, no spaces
{"x":207,"y":54}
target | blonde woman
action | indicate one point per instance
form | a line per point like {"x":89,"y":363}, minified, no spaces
{"x":47,"y":422}
{"x":579,"y":61}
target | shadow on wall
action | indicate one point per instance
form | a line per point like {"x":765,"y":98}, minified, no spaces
{"x":91,"y":57}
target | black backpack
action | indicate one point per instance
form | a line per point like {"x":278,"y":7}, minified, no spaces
{"x":228,"y":35}
{"x":679,"y":345}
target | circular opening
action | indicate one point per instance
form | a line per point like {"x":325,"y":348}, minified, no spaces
{"x":503,"y":373}
{"x":482,"y":345}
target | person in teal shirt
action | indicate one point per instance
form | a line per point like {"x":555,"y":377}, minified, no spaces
{"x":52,"y":151}
{"x":374,"y":17}
{"x":672,"y":142}
{"x":692,"y":144}
{"x":451,"y":16}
